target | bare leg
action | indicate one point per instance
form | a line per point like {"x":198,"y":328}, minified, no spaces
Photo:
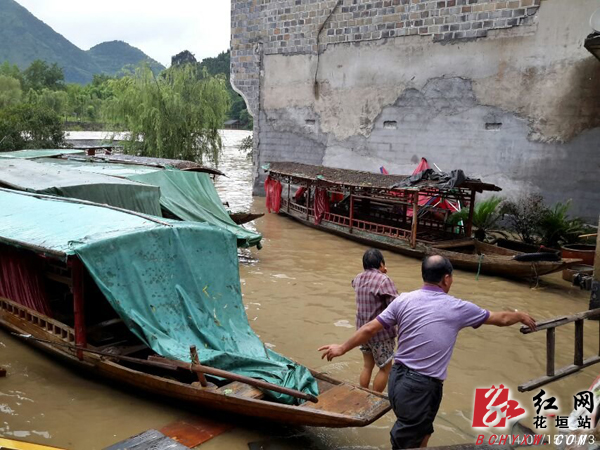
{"x":425,"y":441}
{"x":381,"y":379}
{"x":368,"y":364}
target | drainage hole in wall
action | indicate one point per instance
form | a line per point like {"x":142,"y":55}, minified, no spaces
{"x":390,"y":124}
{"x":493,"y":126}
{"x":310,"y":122}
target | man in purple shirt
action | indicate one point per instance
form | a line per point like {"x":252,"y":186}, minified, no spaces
{"x":428,"y":323}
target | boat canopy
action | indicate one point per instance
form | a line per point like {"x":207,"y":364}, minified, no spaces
{"x":43,"y":153}
{"x":186,"y":195}
{"x":158,"y":162}
{"x":376,"y":181}
{"x":31,"y":176}
{"x":174,"y":284}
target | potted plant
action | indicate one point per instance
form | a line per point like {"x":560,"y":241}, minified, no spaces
{"x":486,"y":217}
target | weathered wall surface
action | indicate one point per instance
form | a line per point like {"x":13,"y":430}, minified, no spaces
{"x":502,"y":89}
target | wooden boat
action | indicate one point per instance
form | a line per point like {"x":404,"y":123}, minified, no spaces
{"x":48,"y":297}
{"x":12,"y":444}
{"x":242,"y":218}
{"x":375,"y":210}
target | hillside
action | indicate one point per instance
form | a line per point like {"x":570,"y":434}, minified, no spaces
{"x":112,"y":56}
{"x":24,"y":38}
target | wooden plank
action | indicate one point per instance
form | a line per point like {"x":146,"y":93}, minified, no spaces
{"x":563,"y":320}
{"x":11,"y":444}
{"x":550,"y":348}
{"x":560,"y":373}
{"x":59,"y":278}
{"x":345,"y":399}
{"x":578,"y":359}
{"x":194,"y":431}
{"x":241,"y":390}
{"x":148,"y":440}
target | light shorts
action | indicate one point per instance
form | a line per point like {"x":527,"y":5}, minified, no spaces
{"x":382,"y":351}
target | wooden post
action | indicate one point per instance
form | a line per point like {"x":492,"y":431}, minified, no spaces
{"x":578,"y":360}
{"x":289,"y":199}
{"x":597,"y":258}
{"x":469,"y":224}
{"x":307,"y":202}
{"x":413,"y":237}
{"x":78,"y":272}
{"x":196,"y":361}
{"x":351,"y":209}
{"x":550,"y":346}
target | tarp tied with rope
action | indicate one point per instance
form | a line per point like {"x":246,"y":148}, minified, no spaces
{"x":174,"y":284}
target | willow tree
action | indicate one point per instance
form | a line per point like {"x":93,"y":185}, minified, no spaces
{"x":175,"y":115}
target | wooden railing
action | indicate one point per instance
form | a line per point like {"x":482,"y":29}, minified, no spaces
{"x":370,"y":227}
{"x":578,"y":362}
{"x":60,"y":330}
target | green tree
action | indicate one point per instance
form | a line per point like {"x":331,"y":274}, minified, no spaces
{"x":40,"y":75}
{"x":30,"y":126}
{"x":76,"y":101}
{"x":11,"y":70}
{"x":56,"y":101}
{"x":220,"y":65}
{"x":176,"y":115}
{"x":10,"y":91}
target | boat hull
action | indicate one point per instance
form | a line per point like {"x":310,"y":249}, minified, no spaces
{"x":486,"y":259}
{"x":21,"y":320}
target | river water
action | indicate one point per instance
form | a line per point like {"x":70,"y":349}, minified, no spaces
{"x":298,"y":297}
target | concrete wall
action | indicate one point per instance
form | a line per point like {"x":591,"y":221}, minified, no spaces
{"x":502,"y":89}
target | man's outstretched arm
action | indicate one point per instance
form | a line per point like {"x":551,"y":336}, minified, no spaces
{"x":361,"y":336}
{"x":508,"y":318}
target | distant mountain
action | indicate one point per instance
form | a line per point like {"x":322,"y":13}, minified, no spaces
{"x":112,"y":56}
{"x":24,"y":38}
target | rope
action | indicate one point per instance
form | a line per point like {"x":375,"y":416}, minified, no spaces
{"x":481,"y":256}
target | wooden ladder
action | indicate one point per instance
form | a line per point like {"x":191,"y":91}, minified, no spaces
{"x":578,"y":362}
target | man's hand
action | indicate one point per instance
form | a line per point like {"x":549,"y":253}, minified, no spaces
{"x":361,"y":336}
{"x":508,"y":318}
{"x":331,"y":351}
{"x":528,"y":321}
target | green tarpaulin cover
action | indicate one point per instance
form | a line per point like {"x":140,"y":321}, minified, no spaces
{"x":187,"y":195}
{"x":44,"y":153}
{"x":192,"y":196}
{"x":174,"y":284}
{"x":31,"y":176}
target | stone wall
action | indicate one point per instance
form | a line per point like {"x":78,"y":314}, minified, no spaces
{"x":502,"y":89}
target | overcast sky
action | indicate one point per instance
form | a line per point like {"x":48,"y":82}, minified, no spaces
{"x":160,"y":29}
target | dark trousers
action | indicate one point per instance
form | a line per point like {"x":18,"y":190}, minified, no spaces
{"x":415,"y":399}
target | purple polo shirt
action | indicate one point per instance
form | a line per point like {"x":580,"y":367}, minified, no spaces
{"x":428,"y":323}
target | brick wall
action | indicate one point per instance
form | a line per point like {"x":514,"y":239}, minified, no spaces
{"x":305,"y":26}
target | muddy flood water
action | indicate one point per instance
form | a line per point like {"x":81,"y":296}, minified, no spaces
{"x":298,"y":297}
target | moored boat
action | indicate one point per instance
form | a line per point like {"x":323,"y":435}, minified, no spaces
{"x":406,"y":215}
{"x":128,"y":296}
